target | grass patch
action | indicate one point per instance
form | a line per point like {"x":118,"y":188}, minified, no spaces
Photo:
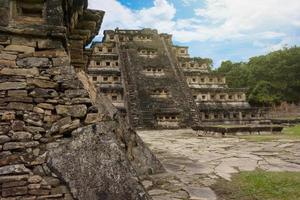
{"x":290,"y":133}
{"x":260,"y":185}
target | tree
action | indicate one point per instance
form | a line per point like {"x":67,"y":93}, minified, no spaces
{"x":277,"y":74}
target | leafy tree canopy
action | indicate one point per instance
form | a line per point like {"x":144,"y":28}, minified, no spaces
{"x":270,"y":79}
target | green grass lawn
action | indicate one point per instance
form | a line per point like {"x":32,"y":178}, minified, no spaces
{"x":260,"y":185}
{"x":292,"y":133}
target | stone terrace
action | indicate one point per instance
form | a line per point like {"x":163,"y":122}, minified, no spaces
{"x":194,"y":163}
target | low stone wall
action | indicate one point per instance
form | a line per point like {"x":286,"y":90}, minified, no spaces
{"x":238,"y":130}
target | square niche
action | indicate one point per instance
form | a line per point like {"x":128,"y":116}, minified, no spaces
{"x":28,"y":11}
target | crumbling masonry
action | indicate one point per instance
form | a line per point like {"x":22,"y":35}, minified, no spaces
{"x":59,"y":138}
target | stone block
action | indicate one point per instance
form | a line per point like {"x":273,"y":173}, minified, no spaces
{"x":17,"y":178}
{"x":16,"y":191}
{"x":46,"y":106}
{"x":19,"y":145}
{"x":14,"y":184}
{"x":31,"y":72}
{"x":6,"y":56}
{"x":34,"y":62}
{"x":12,"y":85}
{"x":17,"y":125}
{"x":24,"y":41}
{"x":38,"y":110}
{"x":7,"y":63}
{"x":60,"y":190}
{"x":52,"y":181}
{"x":51,"y":54}
{"x":76,"y":93}
{"x":14,"y":170}
{"x":35,"y":179}
{"x":54,"y":196}
{"x":70,"y":127}
{"x":42,"y":83}
{"x":20,"y":106}
{"x":57,"y":125}
{"x":21,"y":136}
{"x":34,"y":186}
{"x":39,"y":192}
{"x":74,"y":111}
{"x":35,"y":130}
{"x":17,"y":93}
{"x":4,"y":139}
{"x":60,"y":62}
{"x":91,"y":118}
{"x":43,"y":93}
{"x":4,"y":17}
{"x":19,"y":48}
{"x":8,"y":115}
{"x":49,"y":44}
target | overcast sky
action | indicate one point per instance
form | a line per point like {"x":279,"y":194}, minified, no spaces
{"x":219,"y":29}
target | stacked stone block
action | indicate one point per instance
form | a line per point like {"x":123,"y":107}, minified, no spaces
{"x":60,"y":139}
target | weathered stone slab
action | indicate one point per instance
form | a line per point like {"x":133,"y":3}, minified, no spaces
{"x":19,"y":145}
{"x":19,"y":48}
{"x":12,"y":85}
{"x":7,"y":63}
{"x":6,"y":56}
{"x":4,"y":138}
{"x":20,"y":72}
{"x":91,"y":118}
{"x":20,"y":106}
{"x":49,"y":44}
{"x":17,"y":93}
{"x":21,"y":136}
{"x":16,"y":191}
{"x":70,"y":127}
{"x":42,"y":83}
{"x":57,"y":125}
{"x":101,"y":161}
{"x":74,"y":111}
{"x":34,"y":62}
{"x":76,"y":93}
{"x":8,"y":116}
{"x":43,"y":93}
{"x":46,"y":106}
{"x":14,"y":170}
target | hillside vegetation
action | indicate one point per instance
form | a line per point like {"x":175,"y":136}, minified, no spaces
{"x":270,"y":79}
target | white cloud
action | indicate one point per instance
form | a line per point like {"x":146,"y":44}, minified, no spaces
{"x":256,"y":21}
{"x":248,"y":17}
{"x":188,"y":2}
{"x":159,"y":16}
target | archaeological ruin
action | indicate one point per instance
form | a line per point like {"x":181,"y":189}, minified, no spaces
{"x":59,"y":138}
{"x":68,"y":113}
{"x":156,"y":84}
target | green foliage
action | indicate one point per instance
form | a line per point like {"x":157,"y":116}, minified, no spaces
{"x":260,"y":185}
{"x":263,"y":93}
{"x":271,"y":79}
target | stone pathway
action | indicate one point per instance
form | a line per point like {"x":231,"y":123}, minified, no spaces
{"x":194,"y":163}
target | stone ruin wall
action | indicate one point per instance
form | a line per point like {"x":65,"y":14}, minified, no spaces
{"x":133,"y":69}
{"x":158,"y":84}
{"x":60,"y":139}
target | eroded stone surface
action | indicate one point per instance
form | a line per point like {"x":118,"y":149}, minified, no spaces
{"x":195,"y":163}
{"x":102,"y":161}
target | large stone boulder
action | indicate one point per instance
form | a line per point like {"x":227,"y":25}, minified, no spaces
{"x":95,"y":166}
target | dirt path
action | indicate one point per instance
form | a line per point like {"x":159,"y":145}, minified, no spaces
{"x":194,"y":163}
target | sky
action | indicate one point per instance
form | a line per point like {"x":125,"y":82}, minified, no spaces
{"x":218,"y":29}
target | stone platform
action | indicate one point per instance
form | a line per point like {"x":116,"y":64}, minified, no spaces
{"x":195,"y":163}
{"x":238,"y":130}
